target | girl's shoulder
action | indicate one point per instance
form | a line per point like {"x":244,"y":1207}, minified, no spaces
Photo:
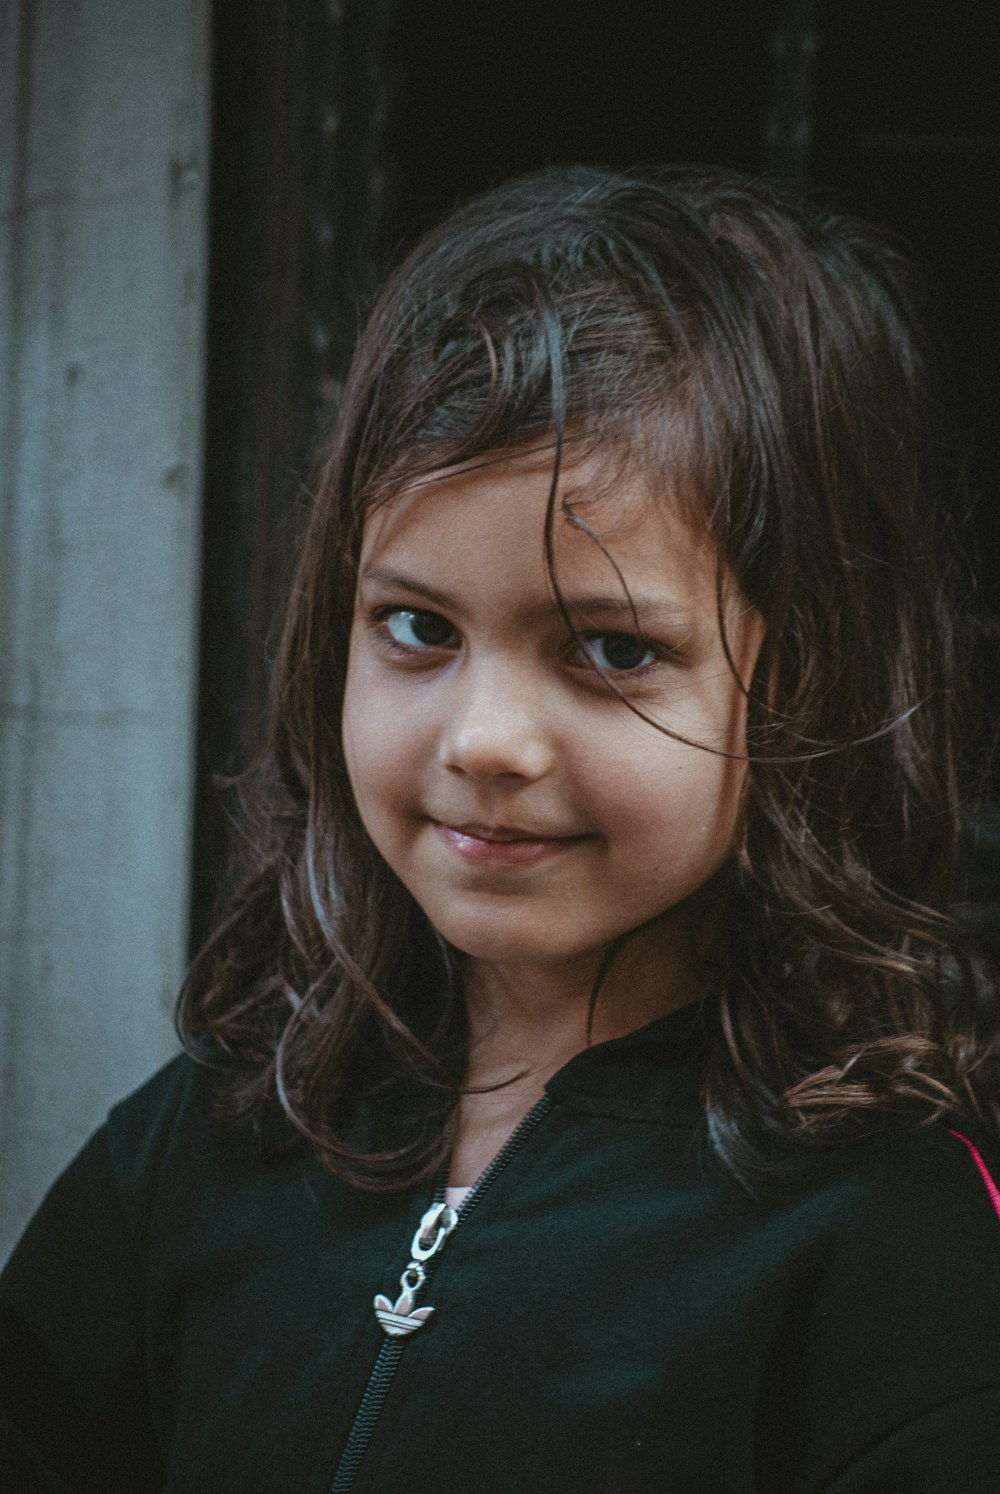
{"x":932,"y":1178}
{"x":159,"y":1101}
{"x":160,"y":1175}
{"x":170,"y":1148}
{"x":896,"y":1264}
{"x":110,"y":1185}
{"x":168,"y":1115}
{"x":919,"y":1204}
{"x":879,"y":1289}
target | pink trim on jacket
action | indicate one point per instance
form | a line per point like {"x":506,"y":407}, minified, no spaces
{"x":990,"y":1186}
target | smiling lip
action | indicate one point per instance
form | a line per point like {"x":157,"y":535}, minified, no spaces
{"x":501,"y":845}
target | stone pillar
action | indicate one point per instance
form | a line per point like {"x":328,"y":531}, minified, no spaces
{"x":103,"y":191}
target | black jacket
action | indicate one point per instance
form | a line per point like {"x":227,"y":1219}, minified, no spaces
{"x":614,"y":1316}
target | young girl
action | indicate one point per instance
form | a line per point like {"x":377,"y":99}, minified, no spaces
{"x":585,"y":1090}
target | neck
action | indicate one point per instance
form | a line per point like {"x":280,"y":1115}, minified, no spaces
{"x":530,"y":1020}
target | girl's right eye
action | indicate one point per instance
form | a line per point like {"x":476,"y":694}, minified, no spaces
{"x":411,"y":629}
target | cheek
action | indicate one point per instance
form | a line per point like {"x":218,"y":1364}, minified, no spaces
{"x":384,"y":750}
{"x":681,"y":812}
{"x":716,"y":797}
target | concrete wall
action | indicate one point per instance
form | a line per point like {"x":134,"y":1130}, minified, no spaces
{"x":103,"y":186}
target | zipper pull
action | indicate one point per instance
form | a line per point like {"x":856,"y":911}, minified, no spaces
{"x":401,"y":1317}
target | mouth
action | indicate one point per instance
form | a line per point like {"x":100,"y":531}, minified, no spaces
{"x":502,"y":845}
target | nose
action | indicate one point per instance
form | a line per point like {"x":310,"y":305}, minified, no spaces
{"x":497,"y":726}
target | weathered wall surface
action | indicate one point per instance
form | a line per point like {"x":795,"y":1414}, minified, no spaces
{"x":103,"y":167}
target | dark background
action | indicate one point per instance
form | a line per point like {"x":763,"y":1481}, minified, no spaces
{"x":341,"y":129}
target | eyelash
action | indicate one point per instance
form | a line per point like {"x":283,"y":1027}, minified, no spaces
{"x":380,"y":620}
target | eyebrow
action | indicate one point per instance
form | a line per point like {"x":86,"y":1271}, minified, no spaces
{"x":645,"y":608}
{"x":654,"y":612}
{"x":403,"y":582}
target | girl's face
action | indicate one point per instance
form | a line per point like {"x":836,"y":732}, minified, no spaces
{"x":530,"y":813}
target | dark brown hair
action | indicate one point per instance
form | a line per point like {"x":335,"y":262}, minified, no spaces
{"x":761,"y":354}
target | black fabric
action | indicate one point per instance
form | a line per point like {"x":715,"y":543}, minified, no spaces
{"x":615,"y":1317}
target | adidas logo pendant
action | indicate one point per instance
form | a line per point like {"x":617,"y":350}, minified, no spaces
{"x":400,"y":1318}
{"x":403,"y":1317}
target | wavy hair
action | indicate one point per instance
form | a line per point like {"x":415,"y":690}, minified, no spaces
{"x":761,"y":353}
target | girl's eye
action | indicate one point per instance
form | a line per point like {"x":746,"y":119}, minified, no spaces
{"x":619,"y":651}
{"x":413,"y":629}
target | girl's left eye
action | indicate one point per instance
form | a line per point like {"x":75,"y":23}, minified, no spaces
{"x":619,"y":651}
{"x":416,"y":630}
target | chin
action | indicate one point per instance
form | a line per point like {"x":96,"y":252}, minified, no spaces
{"x":506,"y":941}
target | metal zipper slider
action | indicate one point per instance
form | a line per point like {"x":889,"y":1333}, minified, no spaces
{"x":401,"y":1317}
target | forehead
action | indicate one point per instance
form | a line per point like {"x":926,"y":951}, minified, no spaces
{"x":603,"y":515}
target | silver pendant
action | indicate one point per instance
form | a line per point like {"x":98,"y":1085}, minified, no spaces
{"x":400,"y":1318}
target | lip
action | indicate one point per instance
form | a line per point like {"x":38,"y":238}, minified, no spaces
{"x":501,"y":845}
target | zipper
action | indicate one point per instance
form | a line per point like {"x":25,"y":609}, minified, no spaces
{"x":432,"y":1234}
